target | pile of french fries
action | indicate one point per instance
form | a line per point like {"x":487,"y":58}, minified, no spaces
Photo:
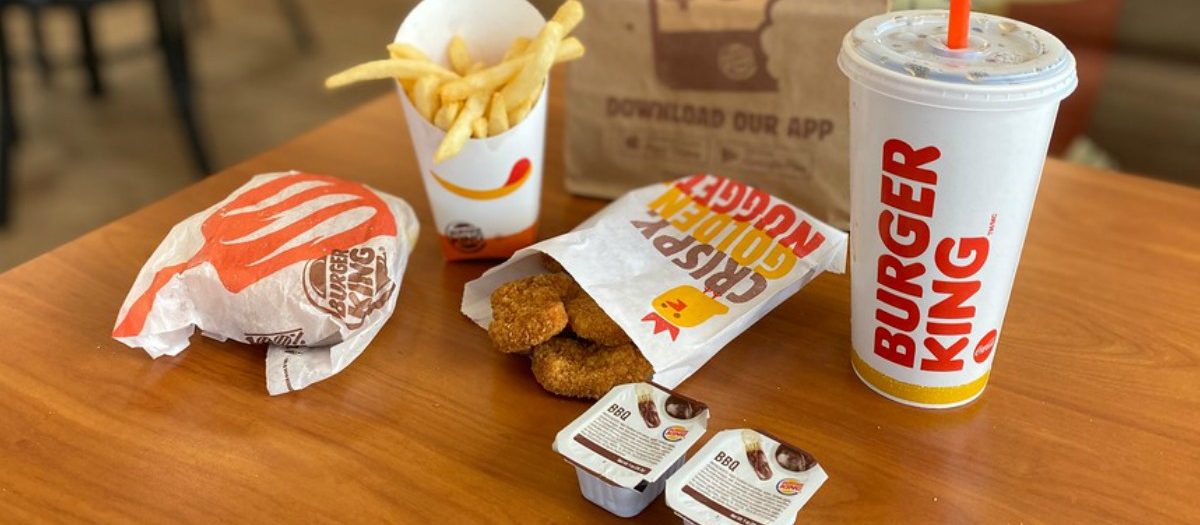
{"x":470,"y":99}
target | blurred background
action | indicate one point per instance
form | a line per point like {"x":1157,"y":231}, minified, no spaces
{"x":116,"y":103}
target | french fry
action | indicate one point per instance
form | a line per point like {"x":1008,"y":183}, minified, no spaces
{"x":492,"y":78}
{"x":519,"y":45}
{"x":425,"y":96}
{"x":521,"y":111}
{"x":460,"y":60}
{"x":399,"y":68}
{"x":460,"y":131}
{"x":479,"y":128}
{"x":447,"y":115}
{"x":487,"y":80}
{"x":497,"y":116}
{"x":569,"y":14}
{"x":402,"y":50}
{"x":541,"y":55}
{"x":569,"y":49}
{"x":467,"y":98}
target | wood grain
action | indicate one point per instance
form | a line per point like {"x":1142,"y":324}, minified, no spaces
{"x":1092,"y":415}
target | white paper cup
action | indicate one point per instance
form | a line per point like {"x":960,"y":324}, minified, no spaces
{"x":946,"y":152}
{"x":485,"y":200}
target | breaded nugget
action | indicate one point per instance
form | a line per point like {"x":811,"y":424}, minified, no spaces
{"x":528,"y":311}
{"x":570,"y":367}
{"x":590,"y":322}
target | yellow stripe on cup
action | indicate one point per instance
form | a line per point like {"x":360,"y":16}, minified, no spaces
{"x":930,"y":396}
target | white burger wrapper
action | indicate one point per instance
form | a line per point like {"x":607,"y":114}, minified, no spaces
{"x":682,"y":267}
{"x":308,"y":264}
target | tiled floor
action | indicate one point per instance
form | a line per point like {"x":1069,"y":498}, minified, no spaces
{"x":83,"y":162}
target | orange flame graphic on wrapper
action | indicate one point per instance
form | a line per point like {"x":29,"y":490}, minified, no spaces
{"x":682,"y":306}
{"x":269,"y":228}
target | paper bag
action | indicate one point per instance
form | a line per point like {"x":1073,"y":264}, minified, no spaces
{"x":682,"y":268}
{"x":745,"y":88}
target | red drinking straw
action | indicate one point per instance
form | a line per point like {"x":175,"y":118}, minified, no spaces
{"x":960,"y":24}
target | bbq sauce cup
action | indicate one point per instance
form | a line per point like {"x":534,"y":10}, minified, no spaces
{"x":485,"y":200}
{"x":626,"y":446}
{"x":744,"y":476}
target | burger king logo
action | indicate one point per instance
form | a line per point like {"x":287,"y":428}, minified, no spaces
{"x":349,"y":284}
{"x":789,"y":486}
{"x":674,"y":433}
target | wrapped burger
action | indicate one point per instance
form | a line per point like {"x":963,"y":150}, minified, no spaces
{"x":308,"y":264}
{"x":679,"y":269}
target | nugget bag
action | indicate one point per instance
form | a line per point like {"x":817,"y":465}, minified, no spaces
{"x":307,"y":264}
{"x":682,"y":267}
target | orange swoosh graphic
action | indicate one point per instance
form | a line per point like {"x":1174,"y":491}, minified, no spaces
{"x":521,"y":172}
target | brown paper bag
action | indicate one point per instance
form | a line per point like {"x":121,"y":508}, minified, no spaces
{"x":749,"y":89}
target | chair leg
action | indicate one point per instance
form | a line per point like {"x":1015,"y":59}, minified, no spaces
{"x":197,"y":13}
{"x":168,"y":18}
{"x":8,"y":128}
{"x":87,"y":39}
{"x":38,"y":33}
{"x":301,"y":30}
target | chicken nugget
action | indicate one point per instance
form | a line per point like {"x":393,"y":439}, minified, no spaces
{"x":574,"y":368}
{"x":589,"y":321}
{"x":528,"y":311}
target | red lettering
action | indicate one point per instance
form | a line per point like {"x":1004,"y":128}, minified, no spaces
{"x":943,"y":360}
{"x":754,"y":204}
{"x":952,"y":306}
{"x":730,"y":196}
{"x":912,"y":314}
{"x":907,"y":228}
{"x":940,"y":328}
{"x":780,"y":217}
{"x":897,"y":348}
{"x":909,"y":165}
{"x":898,"y":276}
{"x":972,"y":250}
{"x":687,"y":184}
{"x":707,"y":191}
{"x":902,"y":196}
{"x":800,"y":242}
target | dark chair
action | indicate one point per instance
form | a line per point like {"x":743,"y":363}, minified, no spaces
{"x":171,"y":39}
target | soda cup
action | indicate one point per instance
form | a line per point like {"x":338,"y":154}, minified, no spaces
{"x":946,"y":150}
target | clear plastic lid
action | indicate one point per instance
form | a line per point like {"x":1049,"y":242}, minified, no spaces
{"x":1005,"y":61}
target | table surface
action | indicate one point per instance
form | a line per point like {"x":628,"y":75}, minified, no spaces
{"x":1093,"y":412}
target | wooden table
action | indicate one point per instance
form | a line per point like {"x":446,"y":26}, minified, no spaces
{"x":1093,"y":413}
